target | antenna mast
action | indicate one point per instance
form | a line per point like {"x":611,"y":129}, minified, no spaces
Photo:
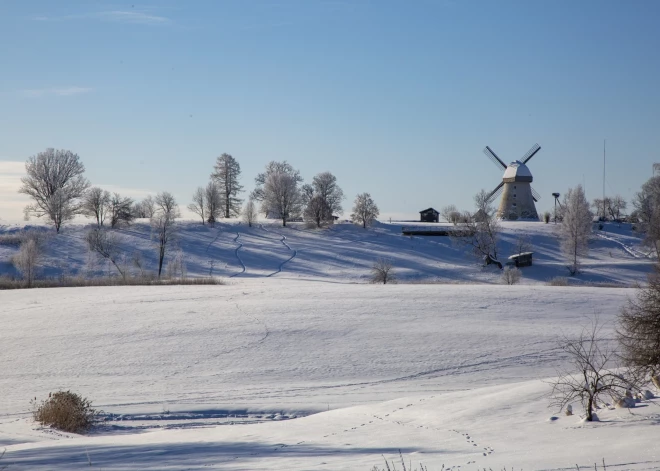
{"x":604,"y":140}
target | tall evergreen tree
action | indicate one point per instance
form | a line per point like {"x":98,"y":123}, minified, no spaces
{"x":226,"y":174}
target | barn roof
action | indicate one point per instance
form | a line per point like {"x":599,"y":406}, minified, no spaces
{"x":429,"y":210}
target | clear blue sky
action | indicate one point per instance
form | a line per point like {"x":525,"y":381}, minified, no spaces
{"x":395,"y":98}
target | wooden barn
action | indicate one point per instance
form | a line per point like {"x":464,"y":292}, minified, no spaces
{"x":429,"y":215}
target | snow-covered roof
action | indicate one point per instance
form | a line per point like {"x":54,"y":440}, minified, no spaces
{"x":518,"y":171}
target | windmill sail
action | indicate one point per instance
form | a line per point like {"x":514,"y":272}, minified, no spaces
{"x":535,"y":195}
{"x":495,"y":193}
{"x":495,"y":159}
{"x":530,"y":153}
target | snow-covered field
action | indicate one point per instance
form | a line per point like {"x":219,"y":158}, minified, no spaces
{"x":343,"y":253}
{"x":298,"y":364}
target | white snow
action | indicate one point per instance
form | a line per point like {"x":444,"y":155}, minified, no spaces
{"x":298,"y":364}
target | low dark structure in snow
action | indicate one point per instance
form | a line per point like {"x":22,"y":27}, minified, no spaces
{"x":426,"y":231}
{"x":521,"y":260}
{"x":429,"y":215}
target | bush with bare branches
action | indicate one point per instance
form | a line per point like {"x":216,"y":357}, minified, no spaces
{"x":639,"y":327}
{"x":382,"y":271}
{"x":590,"y":376}
{"x":511,"y":275}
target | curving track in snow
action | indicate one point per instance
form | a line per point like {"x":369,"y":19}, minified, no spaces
{"x":240,"y":245}
{"x":283,"y":241}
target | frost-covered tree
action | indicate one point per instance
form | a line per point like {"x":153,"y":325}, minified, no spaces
{"x":273,"y":167}
{"x":145,"y":208}
{"x":322,"y":198}
{"x":250,"y":212}
{"x":55,"y":182}
{"x":95,"y":203}
{"x":163,"y":224}
{"x":27,"y":260}
{"x":226,"y":174}
{"x":213,"y":201}
{"x":198,"y":206}
{"x":365,"y":210}
{"x":121,"y":210}
{"x":282,"y":196}
{"x":451,"y":214}
{"x":278,"y":191}
{"x":575,"y":228}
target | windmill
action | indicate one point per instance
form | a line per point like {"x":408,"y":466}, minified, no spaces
{"x":518,"y":196}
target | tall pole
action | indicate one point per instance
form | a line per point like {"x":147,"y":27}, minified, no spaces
{"x":604,"y":140}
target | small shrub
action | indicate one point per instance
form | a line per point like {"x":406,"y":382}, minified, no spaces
{"x":558,"y":281}
{"x":511,"y":275}
{"x":65,"y":411}
{"x":546,"y":217}
{"x":382,"y":272}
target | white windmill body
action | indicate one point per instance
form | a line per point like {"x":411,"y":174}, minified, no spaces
{"x":517,"y":201}
{"x":518,"y":196}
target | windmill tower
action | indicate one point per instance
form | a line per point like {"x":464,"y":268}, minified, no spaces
{"x":518,"y":196}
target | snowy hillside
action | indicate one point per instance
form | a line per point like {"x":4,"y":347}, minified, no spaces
{"x":344,"y":253}
{"x":194,"y":377}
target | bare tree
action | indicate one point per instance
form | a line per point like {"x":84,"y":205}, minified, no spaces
{"x":226,"y":174}
{"x":27,"y":260}
{"x":365,"y":210}
{"x":617,"y":204}
{"x":382,"y":271}
{"x":451,"y":214}
{"x":511,"y":275}
{"x":281,"y":196}
{"x":55,"y":182}
{"x":163,"y":224}
{"x":95,"y":203}
{"x":105,"y":244}
{"x":480,"y":232}
{"x":199,"y":204}
{"x":145,"y":208}
{"x":575,"y":228}
{"x":121,"y":211}
{"x":639,"y":327}
{"x":250,"y":212}
{"x":214,"y":205}
{"x":590,"y":375}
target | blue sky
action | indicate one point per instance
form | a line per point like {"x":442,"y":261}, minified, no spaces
{"x":395,"y":98}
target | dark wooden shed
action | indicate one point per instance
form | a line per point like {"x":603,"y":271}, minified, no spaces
{"x":521,"y":260}
{"x":429,"y":215}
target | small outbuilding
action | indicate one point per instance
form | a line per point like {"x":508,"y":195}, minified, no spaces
{"x":521,"y":259}
{"x":429,"y":215}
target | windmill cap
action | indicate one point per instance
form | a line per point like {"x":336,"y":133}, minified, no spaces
{"x":517,"y":172}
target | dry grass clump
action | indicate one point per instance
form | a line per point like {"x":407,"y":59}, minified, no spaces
{"x":558,"y":281}
{"x":66,"y":411}
{"x":79,"y":281}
